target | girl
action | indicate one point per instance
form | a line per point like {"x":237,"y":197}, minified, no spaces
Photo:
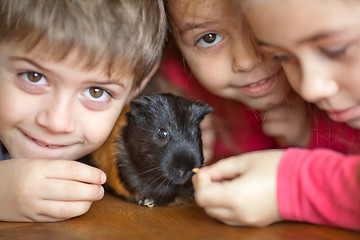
{"x":321,"y":58}
{"x":252,"y":99}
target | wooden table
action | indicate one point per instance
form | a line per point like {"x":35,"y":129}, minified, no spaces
{"x":112,"y":218}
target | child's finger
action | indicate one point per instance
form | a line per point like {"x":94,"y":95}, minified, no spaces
{"x":210,"y":194}
{"x":73,"y":170}
{"x":225,"y":215}
{"x":60,"y":210}
{"x":226,"y":169}
{"x":66,"y":190}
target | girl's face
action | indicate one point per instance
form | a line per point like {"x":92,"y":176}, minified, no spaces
{"x":218,"y":48}
{"x":318,"y":44}
{"x":55,"y":110}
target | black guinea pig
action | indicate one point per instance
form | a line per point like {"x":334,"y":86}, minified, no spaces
{"x":152,"y":149}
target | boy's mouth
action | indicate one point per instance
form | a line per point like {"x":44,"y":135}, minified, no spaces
{"x":48,"y":146}
{"x":42,"y":144}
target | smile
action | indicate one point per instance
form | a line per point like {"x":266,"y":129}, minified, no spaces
{"x":260,"y":87}
{"x":48,"y":146}
{"x":45,"y":145}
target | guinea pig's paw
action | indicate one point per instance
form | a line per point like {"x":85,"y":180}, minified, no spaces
{"x":146,"y":202}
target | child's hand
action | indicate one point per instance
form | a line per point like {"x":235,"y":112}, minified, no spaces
{"x":240,"y":190}
{"x":289,"y":123}
{"x":34,"y":190}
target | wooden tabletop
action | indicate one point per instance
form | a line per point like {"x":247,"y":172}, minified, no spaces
{"x":113,"y":218}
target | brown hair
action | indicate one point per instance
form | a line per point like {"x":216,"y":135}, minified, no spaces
{"x":123,"y":34}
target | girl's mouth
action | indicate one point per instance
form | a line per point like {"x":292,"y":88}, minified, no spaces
{"x":344,"y":115}
{"x":261,"y":86}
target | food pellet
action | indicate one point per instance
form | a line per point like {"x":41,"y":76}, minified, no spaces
{"x":195,"y":170}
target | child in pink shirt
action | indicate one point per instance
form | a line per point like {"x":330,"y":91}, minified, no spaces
{"x":321,"y":58}
{"x":255,"y":108}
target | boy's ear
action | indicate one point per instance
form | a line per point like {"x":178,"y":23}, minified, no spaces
{"x":146,"y":80}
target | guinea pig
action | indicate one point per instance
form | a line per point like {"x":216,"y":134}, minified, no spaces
{"x":152,"y":149}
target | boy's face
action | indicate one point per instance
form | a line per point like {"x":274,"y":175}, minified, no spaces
{"x":56,"y":110}
{"x":318,"y":44}
{"x":216,"y":45}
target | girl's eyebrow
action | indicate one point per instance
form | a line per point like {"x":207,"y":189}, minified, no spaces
{"x":312,"y":38}
{"x":190,"y":26}
{"x":269,"y":45}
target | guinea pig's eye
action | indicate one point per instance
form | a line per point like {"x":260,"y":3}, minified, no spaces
{"x":162,"y":133}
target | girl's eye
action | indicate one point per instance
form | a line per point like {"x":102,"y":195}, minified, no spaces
{"x":335,"y":53}
{"x":34,"y":78}
{"x":97,"y":94}
{"x":282,"y":58}
{"x":209,"y":39}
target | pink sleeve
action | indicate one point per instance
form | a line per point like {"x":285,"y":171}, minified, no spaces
{"x":319,"y":186}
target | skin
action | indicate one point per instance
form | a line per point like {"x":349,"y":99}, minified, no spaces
{"x":52,"y":113}
{"x":240,"y":190}
{"x":320,"y":55}
{"x":219,"y":49}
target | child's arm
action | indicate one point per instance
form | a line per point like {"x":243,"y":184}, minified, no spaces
{"x":316,"y":186}
{"x":34,"y":190}
{"x":320,"y":186}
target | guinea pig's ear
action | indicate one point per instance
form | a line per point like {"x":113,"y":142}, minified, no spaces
{"x":139,"y":104}
{"x":137,"y":110}
{"x":199,"y":110}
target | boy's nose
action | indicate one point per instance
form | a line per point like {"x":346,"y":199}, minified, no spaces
{"x":317,"y":83}
{"x":57,"y":117}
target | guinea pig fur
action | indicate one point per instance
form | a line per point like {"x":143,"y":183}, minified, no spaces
{"x":152,"y":149}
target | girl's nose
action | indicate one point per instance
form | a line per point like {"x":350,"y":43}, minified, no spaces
{"x":57,"y":117}
{"x":245,"y":57}
{"x":317,"y":83}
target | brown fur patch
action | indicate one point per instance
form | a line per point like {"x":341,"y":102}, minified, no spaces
{"x":105,"y":157}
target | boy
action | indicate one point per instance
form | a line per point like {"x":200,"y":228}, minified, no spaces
{"x":67,"y":68}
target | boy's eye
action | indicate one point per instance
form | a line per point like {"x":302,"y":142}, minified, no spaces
{"x":34,"y":77}
{"x":97,"y":98}
{"x":209,"y":39}
{"x":97,"y":94}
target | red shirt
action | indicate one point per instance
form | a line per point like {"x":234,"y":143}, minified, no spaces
{"x":241,"y":126}
{"x":317,"y":186}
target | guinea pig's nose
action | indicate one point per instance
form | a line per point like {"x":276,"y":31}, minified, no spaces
{"x":181,"y":172}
